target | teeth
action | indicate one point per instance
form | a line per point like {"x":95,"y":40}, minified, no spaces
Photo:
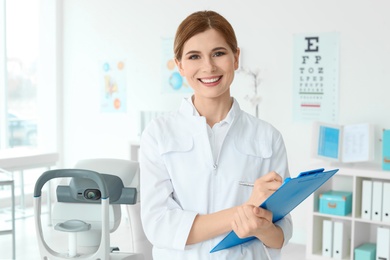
{"x":210,"y":80}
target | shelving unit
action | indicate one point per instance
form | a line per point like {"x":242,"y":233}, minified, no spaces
{"x":349,"y":178}
{"x":6,"y":229}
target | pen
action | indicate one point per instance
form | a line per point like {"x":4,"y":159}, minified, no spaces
{"x":243,"y":183}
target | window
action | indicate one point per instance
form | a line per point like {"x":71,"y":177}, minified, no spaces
{"x":22,"y":53}
{"x":26,"y":91}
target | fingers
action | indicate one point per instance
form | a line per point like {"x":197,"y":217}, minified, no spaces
{"x":263,"y":213}
{"x":264,"y":187}
{"x":273,"y":176}
{"x":249,"y":220}
{"x":243,"y":221}
{"x":270,"y":181}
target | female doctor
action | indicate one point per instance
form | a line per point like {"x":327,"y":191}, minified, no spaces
{"x":192,"y":160}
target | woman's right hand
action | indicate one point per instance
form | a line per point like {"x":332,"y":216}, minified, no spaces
{"x":264,"y":187}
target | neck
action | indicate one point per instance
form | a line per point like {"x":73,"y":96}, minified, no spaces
{"x":215,"y":110}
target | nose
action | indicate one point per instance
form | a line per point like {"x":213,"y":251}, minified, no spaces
{"x":209,"y":65}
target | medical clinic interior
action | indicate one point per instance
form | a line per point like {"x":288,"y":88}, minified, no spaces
{"x":80,"y":81}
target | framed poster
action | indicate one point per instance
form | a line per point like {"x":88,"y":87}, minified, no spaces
{"x":316,"y":77}
{"x":113,"y":87}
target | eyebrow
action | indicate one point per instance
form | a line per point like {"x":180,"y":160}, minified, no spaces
{"x":215,"y":49}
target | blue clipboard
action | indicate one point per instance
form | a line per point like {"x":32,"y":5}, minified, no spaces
{"x":284,"y":200}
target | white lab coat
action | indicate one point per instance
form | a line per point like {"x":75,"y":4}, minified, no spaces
{"x":180,"y":179}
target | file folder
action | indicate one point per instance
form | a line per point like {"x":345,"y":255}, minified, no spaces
{"x":377,"y":187}
{"x":327,"y":238}
{"x":283,"y":200}
{"x":386,"y":202}
{"x":366,"y":199}
{"x":340,"y":240}
{"x":383,"y":243}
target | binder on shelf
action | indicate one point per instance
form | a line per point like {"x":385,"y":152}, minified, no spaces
{"x":383,"y":243}
{"x":283,"y":200}
{"x":386,"y":150}
{"x":327,"y":238}
{"x":386,"y":202}
{"x":366,"y":199}
{"x":377,"y":187}
{"x":340,"y":240}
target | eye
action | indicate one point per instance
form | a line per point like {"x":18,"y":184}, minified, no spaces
{"x":193,"y":57}
{"x":218,"y":53}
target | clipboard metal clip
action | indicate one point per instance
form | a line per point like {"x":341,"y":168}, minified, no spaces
{"x":311,"y":172}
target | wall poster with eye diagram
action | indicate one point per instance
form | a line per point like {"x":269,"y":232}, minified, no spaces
{"x":316,"y":77}
{"x":113,"y":87}
{"x":172,"y":81}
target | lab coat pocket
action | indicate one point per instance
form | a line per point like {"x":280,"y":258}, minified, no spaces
{"x":178,"y":155}
{"x":254,"y":148}
{"x":176,"y":144}
{"x":255,"y":156}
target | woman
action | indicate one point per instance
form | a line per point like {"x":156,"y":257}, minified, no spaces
{"x":193,"y":160}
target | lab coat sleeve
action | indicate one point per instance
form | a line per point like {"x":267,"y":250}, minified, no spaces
{"x":165,"y":223}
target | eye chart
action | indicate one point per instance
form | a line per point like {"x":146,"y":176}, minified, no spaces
{"x":316,"y":77}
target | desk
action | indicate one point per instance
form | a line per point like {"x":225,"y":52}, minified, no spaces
{"x":11,"y":231}
{"x":26,"y":158}
{"x":20,"y":159}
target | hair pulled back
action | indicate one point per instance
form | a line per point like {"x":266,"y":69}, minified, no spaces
{"x":199,"y":22}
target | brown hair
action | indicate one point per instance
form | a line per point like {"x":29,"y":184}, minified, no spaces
{"x":199,"y":22}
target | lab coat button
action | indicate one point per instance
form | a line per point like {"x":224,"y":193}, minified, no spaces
{"x":215,"y":166}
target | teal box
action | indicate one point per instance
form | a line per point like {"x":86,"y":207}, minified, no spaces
{"x":336,"y":203}
{"x":365,"y":252}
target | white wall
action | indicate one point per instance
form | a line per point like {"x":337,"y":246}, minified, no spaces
{"x":96,"y":30}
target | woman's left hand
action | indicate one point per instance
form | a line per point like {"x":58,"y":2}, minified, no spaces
{"x":252,"y":221}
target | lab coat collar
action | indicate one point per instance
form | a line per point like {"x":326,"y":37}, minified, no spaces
{"x":187,"y":108}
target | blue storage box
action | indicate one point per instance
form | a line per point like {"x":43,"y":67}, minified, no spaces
{"x":336,"y":203}
{"x":365,"y":252}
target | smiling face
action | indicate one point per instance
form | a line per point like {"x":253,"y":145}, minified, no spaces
{"x":208,"y":63}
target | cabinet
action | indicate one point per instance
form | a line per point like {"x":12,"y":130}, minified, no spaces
{"x":360,"y":230}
